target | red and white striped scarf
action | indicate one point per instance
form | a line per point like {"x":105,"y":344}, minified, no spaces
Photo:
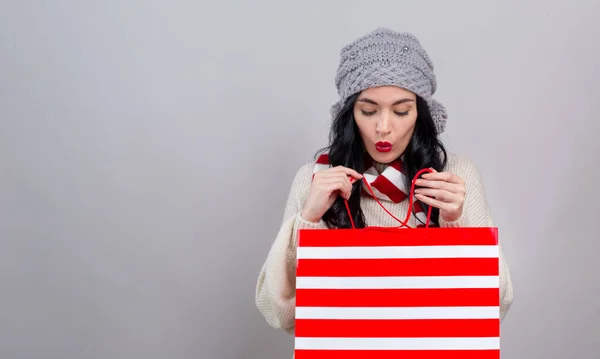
{"x":388,"y":186}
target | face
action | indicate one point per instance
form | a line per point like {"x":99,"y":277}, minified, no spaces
{"x":386,"y":118}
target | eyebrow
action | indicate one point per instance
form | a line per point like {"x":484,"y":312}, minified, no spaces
{"x":404,"y":100}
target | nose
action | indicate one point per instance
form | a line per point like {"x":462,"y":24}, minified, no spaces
{"x":383,"y":125}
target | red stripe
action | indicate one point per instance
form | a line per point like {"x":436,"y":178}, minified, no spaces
{"x":381,"y":236}
{"x":391,"y":267}
{"x":323,"y":159}
{"x":418,"y":328}
{"x":446,"y":297}
{"x":397,"y":354}
{"x":418,"y":207}
{"x":397,"y":165}
{"x":385,"y":186}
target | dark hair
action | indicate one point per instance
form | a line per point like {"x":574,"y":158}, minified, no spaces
{"x":346,"y":148}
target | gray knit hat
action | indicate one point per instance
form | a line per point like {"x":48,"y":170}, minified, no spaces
{"x":388,"y":58}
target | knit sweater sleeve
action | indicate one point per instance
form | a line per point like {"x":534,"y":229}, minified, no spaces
{"x":476,"y":213}
{"x":275,"y":290}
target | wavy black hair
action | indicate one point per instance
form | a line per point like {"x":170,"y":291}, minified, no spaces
{"x":346,"y":149}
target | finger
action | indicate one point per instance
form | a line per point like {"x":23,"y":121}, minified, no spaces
{"x":331,"y":173}
{"x":339,"y":174}
{"x":339,"y":183}
{"x":443,"y":176}
{"x":344,"y":190}
{"x":348,"y":171}
{"x":433,"y":202}
{"x":450,"y":187}
{"x":440,"y":194}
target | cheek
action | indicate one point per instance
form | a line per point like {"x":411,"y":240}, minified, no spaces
{"x":406,"y":126}
{"x":365,"y":127}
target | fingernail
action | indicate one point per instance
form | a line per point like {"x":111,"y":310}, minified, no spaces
{"x":426,"y":175}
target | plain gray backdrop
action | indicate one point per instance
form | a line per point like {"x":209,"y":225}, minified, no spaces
{"x":147,"y":149}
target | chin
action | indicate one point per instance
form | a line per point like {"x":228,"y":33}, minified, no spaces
{"x":384,"y":157}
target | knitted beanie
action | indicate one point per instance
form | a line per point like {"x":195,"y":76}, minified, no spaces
{"x":388,"y":58}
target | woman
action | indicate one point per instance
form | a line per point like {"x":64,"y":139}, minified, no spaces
{"x":385,"y":129}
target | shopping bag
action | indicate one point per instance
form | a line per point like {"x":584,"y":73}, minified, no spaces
{"x":409,"y":293}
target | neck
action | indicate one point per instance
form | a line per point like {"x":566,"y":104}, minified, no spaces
{"x":379,"y":166}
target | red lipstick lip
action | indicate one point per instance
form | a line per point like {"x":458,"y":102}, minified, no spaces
{"x":383,"y":146}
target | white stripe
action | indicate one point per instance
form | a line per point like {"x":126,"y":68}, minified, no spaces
{"x":397,"y":343}
{"x":397,"y":312}
{"x":395,"y":176}
{"x":490,"y":251}
{"x":371,"y":178}
{"x":397,"y":282}
{"x":422,"y":216}
{"x":320,"y":167}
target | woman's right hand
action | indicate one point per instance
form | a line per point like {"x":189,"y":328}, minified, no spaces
{"x":325,"y":188}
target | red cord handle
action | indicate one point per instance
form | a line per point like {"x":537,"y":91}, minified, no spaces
{"x":410,"y":205}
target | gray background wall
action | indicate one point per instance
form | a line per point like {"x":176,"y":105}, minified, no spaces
{"x":147,"y":147}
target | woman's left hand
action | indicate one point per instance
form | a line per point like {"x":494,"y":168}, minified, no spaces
{"x":443,"y":190}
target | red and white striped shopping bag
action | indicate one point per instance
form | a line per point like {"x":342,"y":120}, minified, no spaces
{"x":383,"y":293}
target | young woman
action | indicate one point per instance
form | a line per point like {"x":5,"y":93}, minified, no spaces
{"x":385,"y":129}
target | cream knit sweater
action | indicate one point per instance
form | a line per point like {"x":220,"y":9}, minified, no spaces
{"x":275,"y":289}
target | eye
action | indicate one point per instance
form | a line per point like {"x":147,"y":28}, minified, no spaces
{"x":367,"y":113}
{"x":401,"y":113}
